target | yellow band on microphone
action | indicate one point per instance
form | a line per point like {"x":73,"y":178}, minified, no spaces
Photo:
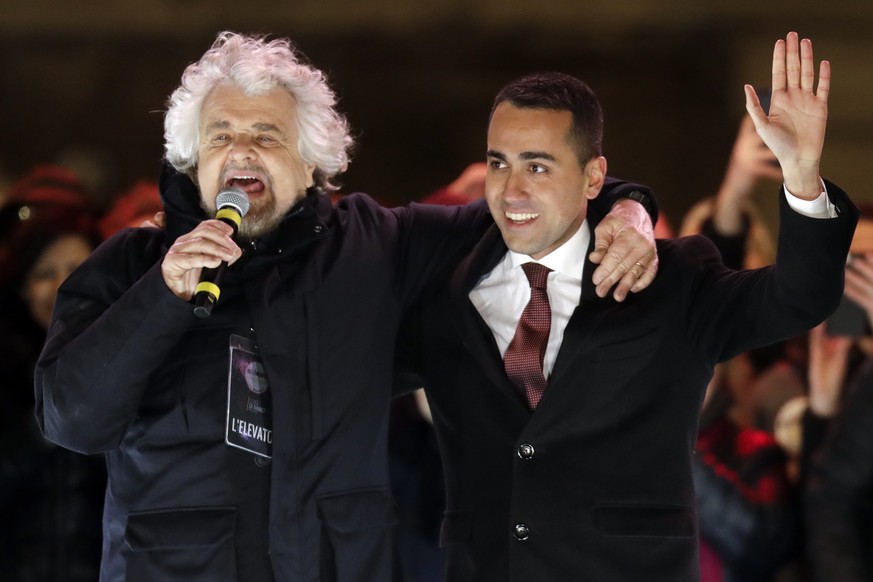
{"x":210,"y":288}
{"x":230,"y":214}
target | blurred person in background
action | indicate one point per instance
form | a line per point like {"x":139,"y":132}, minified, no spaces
{"x":838,"y":428}
{"x":135,"y":207}
{"x":729,"y":218}
{"x":51,"y":499}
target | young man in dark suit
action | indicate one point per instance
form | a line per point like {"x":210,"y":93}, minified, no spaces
{"x":567,"y":421}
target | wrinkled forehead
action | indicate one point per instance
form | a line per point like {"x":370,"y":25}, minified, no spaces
{"x":229,"y":105}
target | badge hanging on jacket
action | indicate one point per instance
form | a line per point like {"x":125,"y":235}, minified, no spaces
{"x":249,"y":404}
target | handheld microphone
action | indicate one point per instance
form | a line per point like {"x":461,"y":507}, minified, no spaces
{"x":232,"y":205}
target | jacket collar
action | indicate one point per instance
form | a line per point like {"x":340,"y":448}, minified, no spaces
{"x":477,"y":336}
{"x":304,"y":222}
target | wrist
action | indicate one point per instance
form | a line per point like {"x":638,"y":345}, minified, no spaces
{"x":805,"y":184}
{"x":636,"y":196}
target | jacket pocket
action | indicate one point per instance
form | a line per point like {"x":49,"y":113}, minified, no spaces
{"x":190,"y":544}
{"x":645,"y":520}
{"x":357,"y":534}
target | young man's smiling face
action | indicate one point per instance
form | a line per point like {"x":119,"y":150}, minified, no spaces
{"x":250,"y":143}
{"x":536,"y":189}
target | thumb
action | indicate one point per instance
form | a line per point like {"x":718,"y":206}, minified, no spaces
{"x":603,"y":238}
{"x":753,"y":106}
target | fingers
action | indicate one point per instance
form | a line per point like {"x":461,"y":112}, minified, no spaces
{"x":753,"y":107}
{"x":624,"y":248}
{"x":625,"y":271}
{"x":794,"y":67}
{"x":207,"y":245}
{"x":601,"y":246}
{"x":792,"y":61}
{"x":778,"y":71}
{"x":824,"y":81}
{"x":647,"y":277}
{"x":211,"y":239}
{"x":807,"y":66}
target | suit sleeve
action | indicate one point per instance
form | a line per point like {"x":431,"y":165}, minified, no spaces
{"x":112,"y":327}
{"x":729,"y":311}
{"x":615,"y":190}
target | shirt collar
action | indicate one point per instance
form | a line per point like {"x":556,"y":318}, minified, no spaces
{"x":568,"y":259}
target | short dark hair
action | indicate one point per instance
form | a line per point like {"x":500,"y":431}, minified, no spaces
{"x":561,"y":92}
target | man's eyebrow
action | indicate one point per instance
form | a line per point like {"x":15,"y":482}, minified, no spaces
{"x":536,"y":156}
{"x":217,"y":125}
{"x":259,"y":126}
{"x":266,"y":127}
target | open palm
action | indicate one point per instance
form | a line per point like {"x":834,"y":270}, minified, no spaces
{"x":795,"y":128}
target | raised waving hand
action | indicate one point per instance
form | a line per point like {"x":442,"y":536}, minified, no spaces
{"x":795,"y":128}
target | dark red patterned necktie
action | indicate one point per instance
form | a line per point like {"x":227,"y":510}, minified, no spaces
{"x":524,"y":356}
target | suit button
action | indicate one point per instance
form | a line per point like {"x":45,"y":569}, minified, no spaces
{"x":521,"y":531}
{"x":525,"y":451}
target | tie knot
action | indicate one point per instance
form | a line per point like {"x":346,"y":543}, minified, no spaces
{"x":536,"y":274}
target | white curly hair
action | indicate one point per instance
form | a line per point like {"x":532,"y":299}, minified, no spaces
{"x":257,"y":66}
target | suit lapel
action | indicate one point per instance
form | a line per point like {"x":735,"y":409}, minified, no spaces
{"x":478,"y":338}
{"x":473,"y":332}
{"x":583,"y":323}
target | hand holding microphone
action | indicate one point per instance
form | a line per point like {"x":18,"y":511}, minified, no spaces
{"x":195,"y":264}
{"x":231,"y":206}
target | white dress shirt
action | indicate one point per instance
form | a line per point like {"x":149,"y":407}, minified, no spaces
{"x":502,"y":294}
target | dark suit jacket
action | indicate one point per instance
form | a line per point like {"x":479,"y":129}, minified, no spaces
{"x":604,"y":492}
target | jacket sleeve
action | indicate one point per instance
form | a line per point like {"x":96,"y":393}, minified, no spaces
{"x":729,"y":311}
{"x":114,"y":322}
{"x":838,"y":500}
{"x":615,"y":190}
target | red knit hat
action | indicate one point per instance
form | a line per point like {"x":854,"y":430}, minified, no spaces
{"x":139,"y":203}
{"x":48,"y":185}
{"x":43,"y":205}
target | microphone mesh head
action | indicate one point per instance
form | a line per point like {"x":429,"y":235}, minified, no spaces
{"x":235,"y":198}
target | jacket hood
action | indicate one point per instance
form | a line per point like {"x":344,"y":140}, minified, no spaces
{"x":181,"y":200}
{"x":180,"y":197}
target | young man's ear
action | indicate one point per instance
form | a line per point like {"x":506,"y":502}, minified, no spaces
{"x":595,"y":171}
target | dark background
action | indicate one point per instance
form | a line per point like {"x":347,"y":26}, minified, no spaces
{"x":85,"y":82}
